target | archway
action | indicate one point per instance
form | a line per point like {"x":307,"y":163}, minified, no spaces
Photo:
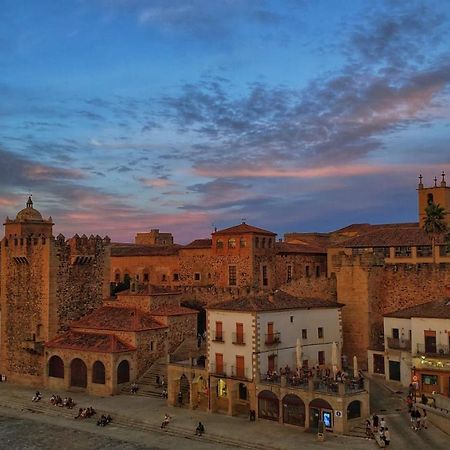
{"x":123,"y":372}
{"x":268,"y":406}
{"x":293,"y":410}
{"x":98,"y":373}
{"x":56,"y":367}
{"x":354,"y":410}
{"x":320,"y":411}
{"x":185,"y":389}
{"x":78,"y":373}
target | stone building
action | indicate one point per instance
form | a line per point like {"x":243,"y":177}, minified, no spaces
{"x":45,"y":283}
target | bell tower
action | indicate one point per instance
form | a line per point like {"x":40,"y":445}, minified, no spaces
{"x":439,"y":194}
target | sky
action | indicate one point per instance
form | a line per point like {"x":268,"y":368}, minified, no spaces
{"x":294,"y":115}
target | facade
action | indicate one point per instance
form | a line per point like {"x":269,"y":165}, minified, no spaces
{"x":417,"y":347}
{"x":256,"y":335}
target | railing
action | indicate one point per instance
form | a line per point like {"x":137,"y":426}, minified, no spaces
{"x":273,"y":338}
{"x":240,"y":372}
{"x":435,"y":350}
{"x":217,"y":336}
{"x":238,"y":338}
{"x":399,"y":343}
{"x":219,"y":369}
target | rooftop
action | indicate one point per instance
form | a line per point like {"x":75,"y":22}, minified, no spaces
{"x":243,"y":228}
{"x":279,"y":300}
{"x":199,"y":243}
{"x":90,"y":342}
{"x":118,"y":319}
{"x":288,"y":247}
{"x":172,"y":311}
{"x":120,"y":249}
{"x":433,"y":310}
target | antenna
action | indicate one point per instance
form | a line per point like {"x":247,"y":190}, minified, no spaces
{"x":243,"y":220}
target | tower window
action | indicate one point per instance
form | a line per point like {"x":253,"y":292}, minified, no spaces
{"x":232,"y":279}
{"x":265,"y":280}
{"x":219,"y":243}
{"x":317,"y":271}
{"x":197,"y":276}
{"x":231,"y":243}
{"x":289,"y":274}
{"x":430,"y":199}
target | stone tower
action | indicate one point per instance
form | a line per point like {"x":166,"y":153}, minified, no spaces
{"x":45,"y":282}
{"x":438,"y":194}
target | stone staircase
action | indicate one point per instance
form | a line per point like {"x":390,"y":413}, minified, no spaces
{"x":44,"y":407}
{"x":358,"y":431}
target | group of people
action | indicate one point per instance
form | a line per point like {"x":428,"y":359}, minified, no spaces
{"x":104,"y":420}
{"x":56,"y":400}
{"x":36,"y":397}
{"x":85,"y":413}
{"x":419,"y":420}
{"x":376,"y":427}
{"x":198,"y":431}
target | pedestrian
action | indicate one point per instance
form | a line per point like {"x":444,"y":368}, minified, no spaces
{"x":409,"y":402}
{"x":387,"y":437}
{"x":163,"y":381}
{"x":375,"y":422}
{"x":200,"y":429}
{"x":368,"y":429}
{"x":165,"y":421}
{"x":413,"y":419}
{"x":418,"y":419}
{"x":180,"y":399}
{"x":382,"y":423}
{"x":424,"y":420}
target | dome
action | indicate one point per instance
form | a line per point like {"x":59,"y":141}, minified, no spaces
{"x":29,"y":213}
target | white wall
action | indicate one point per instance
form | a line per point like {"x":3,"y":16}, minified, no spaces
{"x":311,"y":320}
{"x":419,"y":325}
{"x":403,"y":325}
{"x":227,"y":348}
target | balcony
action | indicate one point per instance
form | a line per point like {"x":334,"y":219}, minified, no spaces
{"x":238,"y":338}
{"x":217,"y":336}
{"x":399,"y":344}
{"x":220,"y":370}
{"x":438,"y":351}
{"x":273,"y":338}
{"x":241,"y":372}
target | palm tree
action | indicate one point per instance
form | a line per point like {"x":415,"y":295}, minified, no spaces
{"x":434,"y":224}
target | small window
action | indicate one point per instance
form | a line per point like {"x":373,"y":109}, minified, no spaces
{"x":424,"y":251}
{"x":242,"y":242}
{"x":232,"y":278}
{"x":146,"y":277}
{"x":151,"y":346}
{"x":304,"y":333}
{"x":403,"y":252}
{"x":321,"y":358}
{"x":256,"y":242}
{"x":317,"y":271}
{"x":164,"y":277}
{"x":430,"y":199}
{"x":289,"y":274}
{"x":197,"y":276}
{"x":265,"y":280}
{"x":320,"y":333}
{"x":176,"y":277}
{"x":232,"y":243}
{"x":395,"y":333}
{"x":219,"y":243}
{"x":269,"y":243}
{"x":263,"y":243}
{"x":307,"y":271}
{"x":292,"y":319}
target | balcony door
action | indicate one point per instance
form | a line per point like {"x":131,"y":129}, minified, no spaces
{"x":240,"y":368}
{"x":239,"y":333}
{"x":430,"y":342}
{"x":269,"y":339}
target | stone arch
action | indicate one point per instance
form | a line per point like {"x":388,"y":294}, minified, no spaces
{"x":123,"y":372}
{"x":354,"y":410}
{"x":185,"y":389}
{"x":78,"y":373}
{"x":55,"y":367}
{"x":98,"y":373}
{"x":293,"y":410}
{"x":268,"y":406}
{"x":320,"y":410}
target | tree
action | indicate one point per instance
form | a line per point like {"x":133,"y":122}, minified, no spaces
{"x":434,"y":224}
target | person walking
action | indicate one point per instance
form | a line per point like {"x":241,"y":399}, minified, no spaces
{"x":375,"y":422}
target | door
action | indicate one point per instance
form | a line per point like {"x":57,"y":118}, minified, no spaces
{"x":271,"y":362}
{"x":314,"y":418}
{"x":430,"y":342}
{"x":378,"y":364}
{"x":219,"y":335}
{"x":239,"y":333}
{"x":394,"y":370}
{"x":269,"y":337}
{"x":78,"y":373}
{"x":240,"y":368}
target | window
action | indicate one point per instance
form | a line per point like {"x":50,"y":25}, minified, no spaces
{"x":307,"y":272}
{"x":395,"y":333}
{"x":317,"y":271}
{"x":232,"y":278}
{"x":320,"y":333}
{"x":219,"y":332}
{"x":403,"y":252}
{"x":117,"y":277}
{"x":219,"y":363}
{"x":382,"y":251}
{"x":219,"y":243}
{"x":197,"y":276}
{"x":256,"y":242}
{"x":151,"y":346}
{"x":232,"y":243}
{"x":430,"y":199}
{"x":240,"y":366}
{"x":289,"y":274}
{"x":263,"y":243}
{"x":239,"y":339}
{"x":242,"y":242}
{"x":424,"y":251}
{"x":304,"y":333}
{"x":176,"y":277}
{"x":265,"y":280}
{"x":269,"y":242}
{"x":292,"y":319}
{"x":146,"y":277}
{"x":164,"y":277}
{"x":321,"y":357}
{"x":98,"y":373}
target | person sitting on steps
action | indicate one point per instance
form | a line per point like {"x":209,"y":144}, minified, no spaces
{"x":200,"y":429}
{"x":165,"y":421}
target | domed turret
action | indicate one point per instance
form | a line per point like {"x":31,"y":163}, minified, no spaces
{"x":29,"y":213}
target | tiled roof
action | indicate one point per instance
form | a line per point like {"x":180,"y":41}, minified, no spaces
{"x":243,"y":228}
{"x":280,"y":300}
{"x":287,"y":247}
{"x":200,"y":243}
{"x":435,"y":309}
{"x":119,"y":319}
{"x":119,"y":249}
{"x":90,"y":342}
{"x":390,"y":237}
{"x":172,"y":311}
{"x":149,"y":289}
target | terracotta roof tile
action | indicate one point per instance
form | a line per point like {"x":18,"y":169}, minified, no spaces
{"x":280,"y":300}
{"x":435,"y":309}
{"x":172,"y":311}
{"x":119,"y":249}
{"x":119,"y":319}
{"x":200,"y":243}
{"x":90,"y":342}
{"x":287,"y":247}
{"x":243,"y":228}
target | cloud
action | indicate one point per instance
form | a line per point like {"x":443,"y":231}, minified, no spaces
{"x":155,"y":182}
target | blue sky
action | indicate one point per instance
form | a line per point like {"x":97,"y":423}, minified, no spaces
{"x":125,"y":115}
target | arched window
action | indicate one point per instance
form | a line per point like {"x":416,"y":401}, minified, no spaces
{"x":293,"y":410}
{"x":268,"y":406}
{"x":263,"y":243}
{"x":127,"y":280}
{"x":56,"y":367}
{"x":232,"y":243}
{"x":123,"y":372}
{"x":242,"y":242}
{"x":98,"y":373}
{"x":78,"y":373}
{"x":354,"y":410}
{"x":430,"y":199}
